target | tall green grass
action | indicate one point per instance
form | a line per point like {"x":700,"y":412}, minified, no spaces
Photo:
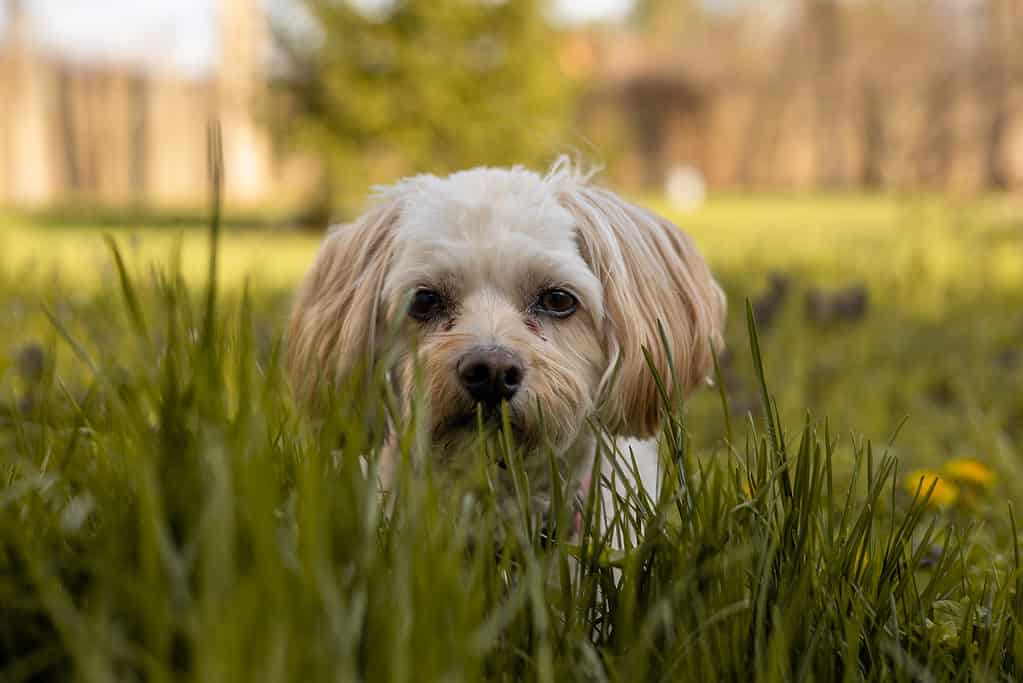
{"x":167,"y":514}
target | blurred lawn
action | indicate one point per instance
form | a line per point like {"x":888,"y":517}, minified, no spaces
{"x":920,"y":253}
{"x":934,"y":249}
{"x":939,"y":346}
{"x":76,"y":257}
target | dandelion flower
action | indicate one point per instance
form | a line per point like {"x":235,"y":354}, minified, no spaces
{"x":968,"y":470}
{"x":945,"y":492}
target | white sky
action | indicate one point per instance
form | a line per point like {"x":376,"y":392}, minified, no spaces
{"x":578,"y":11}
{"x":183,"y":32}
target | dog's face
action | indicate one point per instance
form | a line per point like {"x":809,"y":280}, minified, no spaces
{"x":538,"y":293}
{"x":502,"y":305}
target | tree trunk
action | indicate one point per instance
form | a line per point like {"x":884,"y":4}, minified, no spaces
{"x":873,"y":137}
{"x":823,"y":23}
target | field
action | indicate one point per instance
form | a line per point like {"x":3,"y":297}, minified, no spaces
{"x":165,"y":514}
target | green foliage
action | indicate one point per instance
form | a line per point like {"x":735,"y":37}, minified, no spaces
{"x":165,"y":514}
{"x":424,"y":86}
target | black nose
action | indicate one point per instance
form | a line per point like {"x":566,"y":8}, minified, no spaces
{"x":490,"y":374}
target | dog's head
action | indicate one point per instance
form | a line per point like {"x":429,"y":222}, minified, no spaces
{"x":538,"y":292}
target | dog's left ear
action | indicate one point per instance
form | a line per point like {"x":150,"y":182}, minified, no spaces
{"x":652,"y":275}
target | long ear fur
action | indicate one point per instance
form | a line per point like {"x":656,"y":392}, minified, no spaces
{"x":336,"y":311}
{"x":652,"y":274}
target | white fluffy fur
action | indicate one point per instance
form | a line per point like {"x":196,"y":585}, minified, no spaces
{"x":492,"y":239}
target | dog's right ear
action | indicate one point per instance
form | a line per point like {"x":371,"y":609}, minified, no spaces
{"x":336,"y":312}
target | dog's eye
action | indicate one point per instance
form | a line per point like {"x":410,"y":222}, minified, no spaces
{"x":426,"y":305}
{"x":557,"y":302}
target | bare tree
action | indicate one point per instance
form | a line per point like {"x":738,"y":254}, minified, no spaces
{"x":872,"y":132}
{"x":994,"y":83}
{"x":822,"y":21}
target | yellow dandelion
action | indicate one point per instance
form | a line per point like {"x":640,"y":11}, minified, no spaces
{"x":970,"y":471}
{"x":747,"y":489}
{"x":945,"y":492}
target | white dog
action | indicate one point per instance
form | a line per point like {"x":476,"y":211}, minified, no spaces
{"x":535,"y":292}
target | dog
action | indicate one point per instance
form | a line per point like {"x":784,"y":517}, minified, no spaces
{"x":538,"y":297}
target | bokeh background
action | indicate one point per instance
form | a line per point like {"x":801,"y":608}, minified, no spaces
{"x":853,"y":168}
{"x":107,"y":103}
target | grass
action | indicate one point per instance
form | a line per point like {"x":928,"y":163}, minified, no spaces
{"x":74,"y":260}
{"x":165,"y":513}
